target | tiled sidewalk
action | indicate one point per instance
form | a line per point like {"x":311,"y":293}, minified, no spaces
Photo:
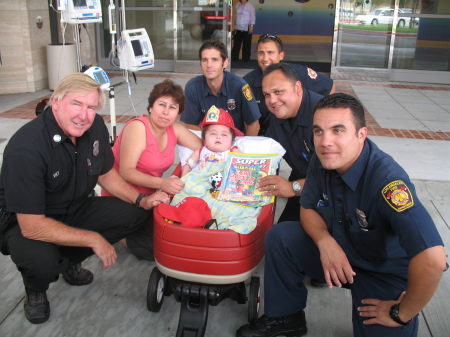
{"x":346,"y":78}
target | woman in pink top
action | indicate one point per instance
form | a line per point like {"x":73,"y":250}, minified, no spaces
{"x":145,"y":149}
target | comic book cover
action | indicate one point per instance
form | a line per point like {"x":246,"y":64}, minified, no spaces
{"x":241,"y":175}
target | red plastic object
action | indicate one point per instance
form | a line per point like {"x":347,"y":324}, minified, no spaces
{"x":209,"y":251}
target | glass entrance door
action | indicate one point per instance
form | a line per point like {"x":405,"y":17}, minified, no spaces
{"x":198,"y":21}
{"x":411,"y":38}
{"x":176,"y":29}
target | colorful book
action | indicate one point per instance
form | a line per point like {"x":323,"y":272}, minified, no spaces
{"x":241,"y":175}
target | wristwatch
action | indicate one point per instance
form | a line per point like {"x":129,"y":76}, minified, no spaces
{"x":394,"y":315}
{"x":139,"y":198}
{"x":296,"y":187}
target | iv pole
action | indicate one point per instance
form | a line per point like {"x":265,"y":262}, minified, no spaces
{"x":113,"y":31}
{"x":112,"y":103}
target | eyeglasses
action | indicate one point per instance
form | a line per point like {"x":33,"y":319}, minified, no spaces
{"x":271,"y":37}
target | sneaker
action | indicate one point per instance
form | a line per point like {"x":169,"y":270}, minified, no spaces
{"x":77,"y":276}
{"x":36,"y":306}
{"x":289,"y":326}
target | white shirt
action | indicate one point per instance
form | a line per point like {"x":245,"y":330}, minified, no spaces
{"x":245,"y":15}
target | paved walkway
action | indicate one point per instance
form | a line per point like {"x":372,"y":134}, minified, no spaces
{"x":409,"y":121}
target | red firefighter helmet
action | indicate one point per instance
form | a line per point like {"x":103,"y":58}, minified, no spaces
{"x":220,"y":117}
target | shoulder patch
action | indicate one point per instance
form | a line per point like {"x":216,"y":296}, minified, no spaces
{"x":398,"y":196}
{"x":312,"y":73}
{"x":247,"y":92}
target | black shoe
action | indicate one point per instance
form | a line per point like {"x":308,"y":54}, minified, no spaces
{"x":289,"y":326}
{"x":36,"y":306}
{"x":318,"y":283}
{"x":77,"y":276}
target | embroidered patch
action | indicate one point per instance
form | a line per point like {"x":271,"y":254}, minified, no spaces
{"x":398,"y":196}
{"x":247,"y":92}
{"x":312,"y":73}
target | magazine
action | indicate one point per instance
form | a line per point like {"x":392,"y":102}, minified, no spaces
{"x":241,"y":175}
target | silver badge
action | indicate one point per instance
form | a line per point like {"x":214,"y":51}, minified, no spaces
{"x":95,"y":148}
{"x":231,"y":104}
{"x":57,"y":138}
{"x":362,"y":219}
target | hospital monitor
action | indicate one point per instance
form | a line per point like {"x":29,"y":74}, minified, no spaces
{"x":80,"y":11}
{"x":99,"y":75}
{"x":135,"y":50}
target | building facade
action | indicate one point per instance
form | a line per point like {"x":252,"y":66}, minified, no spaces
{"x":411,"y":38}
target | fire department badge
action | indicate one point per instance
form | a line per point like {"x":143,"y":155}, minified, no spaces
{"x":212,"y":115}
{"x":95,"y":148}
{"x":312,"y":73}
{"x":247,"y":92}
{"x":398,"y":196}
{"x":231,"y":104}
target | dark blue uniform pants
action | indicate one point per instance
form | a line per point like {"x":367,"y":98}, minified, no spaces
{"x":41,"y":262}
{"x":245,"y":39}
{"x":290,"y":254}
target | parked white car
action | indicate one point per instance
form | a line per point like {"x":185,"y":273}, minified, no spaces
{"x":382,"y":16}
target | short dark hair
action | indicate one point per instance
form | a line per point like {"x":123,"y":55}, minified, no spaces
{"x":214,"y":44}
{"x":167,"y":88}
{"x":286,"y":69}
{"x":269,"y":37}
{"x":341,"y":100}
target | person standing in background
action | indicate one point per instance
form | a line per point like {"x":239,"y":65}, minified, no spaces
{"x":245,"y":20}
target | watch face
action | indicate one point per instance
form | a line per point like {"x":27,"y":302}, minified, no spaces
{"x":296,"y":186}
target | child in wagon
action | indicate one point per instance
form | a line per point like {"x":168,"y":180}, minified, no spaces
{"x":218,"y":134}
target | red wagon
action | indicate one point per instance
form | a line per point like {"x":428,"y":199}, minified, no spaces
{"x":201,"y":267}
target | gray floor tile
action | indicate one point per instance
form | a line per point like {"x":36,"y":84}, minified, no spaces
{"x":438,"y":126}
{"x":388,"y":112}
{"x":418,"y":106}
{"x":430,"y":115}
{"x":421,"y":159}
{"x":440,"y":100}
{"x":400,"y":123}
{"x":446,"y":107}
{"x":396,"y":92}
{"x":436,"y":93}
{"x":359,"y":90}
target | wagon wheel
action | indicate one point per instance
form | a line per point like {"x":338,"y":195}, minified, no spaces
{"x":254,"y":298}
{"x":155,"y":290}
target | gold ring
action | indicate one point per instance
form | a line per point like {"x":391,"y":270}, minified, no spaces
{"x":274,"y":187}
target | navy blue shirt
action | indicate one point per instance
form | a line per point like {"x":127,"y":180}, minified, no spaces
{"x":296,"y":135}
{"x":43,"y":172}
{"x":396,"y":227}
{"x":310,"y":79}
{"x":235,"y":96}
